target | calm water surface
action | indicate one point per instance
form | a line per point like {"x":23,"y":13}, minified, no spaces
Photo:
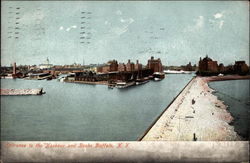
{"x":235,"y":94}
{"x":70,"y":111}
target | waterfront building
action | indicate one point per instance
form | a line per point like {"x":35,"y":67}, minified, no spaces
{"x":138,"y":66}
{"x":208,"y":65}
{"x":113,"y":66}
{"x":106,"y":69}
{"x":46,"y":65}
{"x":155,"y":64}
{"x":240,"y":67}
{"x":14,"y":68}
{"x":109,"y":67}
{"x":130,"y":66}
{"x":121,"y":67}
{"x":62,"y":70}
{"x":221,"y":68}
{"x":187,"y":67}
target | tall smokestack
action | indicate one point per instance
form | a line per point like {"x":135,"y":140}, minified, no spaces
{"x":14,"y":68}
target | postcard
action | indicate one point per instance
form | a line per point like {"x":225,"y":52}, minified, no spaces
{"x":125,"y":81}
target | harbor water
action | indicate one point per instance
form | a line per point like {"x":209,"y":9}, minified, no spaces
{"x":235,"y":94}
{"x":82,"y":112}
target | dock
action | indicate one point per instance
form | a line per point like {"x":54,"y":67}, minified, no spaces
{"x":14,"y":92}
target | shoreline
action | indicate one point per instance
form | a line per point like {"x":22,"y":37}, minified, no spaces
{"x":195,"y":111}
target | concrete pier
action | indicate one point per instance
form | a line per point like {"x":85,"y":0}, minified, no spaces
{"x":195,"y":114}
{"x":12,"y":92}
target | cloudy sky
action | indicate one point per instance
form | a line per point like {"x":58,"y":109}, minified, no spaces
{"x":95,"y":32}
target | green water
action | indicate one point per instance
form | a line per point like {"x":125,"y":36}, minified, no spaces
{"x":79,"y":112}
{"x":235,"y":94}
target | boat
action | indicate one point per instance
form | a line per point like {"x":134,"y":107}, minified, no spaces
{"x":124,"y":84}
{"x":64,"y":77}
{"x":176,"y":72}
{"x":151,"y":77}
{"x":158,"y":76}
{"x":40,"y":76}
{"x":141,"y":82}
{"x":111,"y":86}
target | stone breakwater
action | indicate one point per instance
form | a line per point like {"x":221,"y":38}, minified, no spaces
{"x":22,"y":91}
{"x":195,"y":111}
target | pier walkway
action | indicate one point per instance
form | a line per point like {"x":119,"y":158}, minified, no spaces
{"x":195,"y":114}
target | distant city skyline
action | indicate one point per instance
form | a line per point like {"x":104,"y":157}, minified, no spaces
{"x":76,"y":32}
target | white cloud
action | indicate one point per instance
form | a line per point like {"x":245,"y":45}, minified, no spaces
{"x":218,"y":15}
{"x":61,"y":28}
{"x":118,"y":12}
{"x":216,"y":23}
{"x":71,"y":27}
{"x":119,"y":31}
{"x":199,"y":22}
{"x":122,"y":29}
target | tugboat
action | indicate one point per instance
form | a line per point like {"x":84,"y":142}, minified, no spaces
{"x":158,"y":76}
{"x":124,"y":84}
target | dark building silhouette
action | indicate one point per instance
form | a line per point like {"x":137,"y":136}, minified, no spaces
{"x":155,"y":64}
{"x":208,"y":65}
{"x":240,"y":67}
{"x":221,"y":68}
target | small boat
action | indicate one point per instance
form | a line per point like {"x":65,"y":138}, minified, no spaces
{"x":111,"y":86}
{"x":158,"y":76}
{"x":157,"y":79}
{"x":124,"y":84}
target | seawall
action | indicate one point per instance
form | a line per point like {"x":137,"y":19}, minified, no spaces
{"x":195,"y":114}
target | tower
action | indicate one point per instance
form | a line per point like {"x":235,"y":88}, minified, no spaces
{"x":14,"y":68}
{"x":47,"y":61}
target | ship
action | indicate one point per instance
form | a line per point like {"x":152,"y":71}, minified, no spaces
{"x":124,"y":84}
{"x":158,"y":76}
{"x":40,"y":76}
{"x":176,"y":72}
